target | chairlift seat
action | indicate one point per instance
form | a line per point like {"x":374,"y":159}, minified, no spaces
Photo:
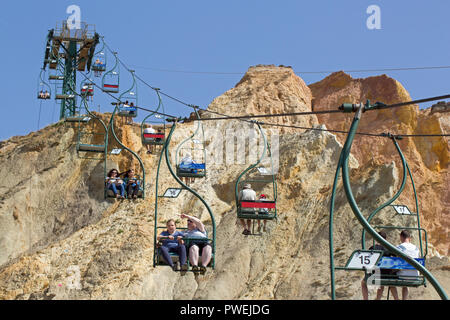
{"x":192,"y":170}
{"x":91,"y":148}
{"x":249,"y":209}
{"x":110,"y":193}
{"x":81,"y":118}
{"x":396,"y":263}
{"x":113,"y":88}
{"x":64,"y":96}
{"x":55,"y":77}
{"x":153,"y":138}
{"x":127,"y":111}
{"x":98,"y":67}
{"x":89,"y":91}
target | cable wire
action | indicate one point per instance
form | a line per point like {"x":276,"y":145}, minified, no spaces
{"x":247,"y":118}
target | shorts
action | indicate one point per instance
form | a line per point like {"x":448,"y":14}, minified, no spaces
{"x":199,"y":243}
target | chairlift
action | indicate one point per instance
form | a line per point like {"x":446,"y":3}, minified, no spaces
{"x":44,"y":89}
{"x":111,"y":78}
{"x":261,"y":180}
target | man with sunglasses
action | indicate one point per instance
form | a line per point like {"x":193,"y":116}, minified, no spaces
{"x":199,"y":243}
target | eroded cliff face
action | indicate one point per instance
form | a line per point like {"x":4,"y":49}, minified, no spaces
{"x":428,"y":157}
{"x":109,"y":254}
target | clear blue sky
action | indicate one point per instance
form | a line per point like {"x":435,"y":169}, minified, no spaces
{"x":224,"y":36}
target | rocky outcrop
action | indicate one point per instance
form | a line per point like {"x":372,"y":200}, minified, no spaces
{"x":428,"y":157}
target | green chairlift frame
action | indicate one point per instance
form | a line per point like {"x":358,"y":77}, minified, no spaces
{"x":212,"y":240}
{"x":83,"y":149}
{"x":81,"y":120}
{"x":246,"y":212}
{"x":130,"y":94}
{"x":43,"y":84}
{"x":100,"y":55}
{"x":343,"y":165}
{"x":142,"y":179}
{"x":195,"y":172}
{"x":112,"y":74}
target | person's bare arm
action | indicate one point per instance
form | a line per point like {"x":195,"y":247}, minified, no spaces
{"x":200,"y":226}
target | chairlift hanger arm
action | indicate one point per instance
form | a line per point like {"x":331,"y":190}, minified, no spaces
{"x":387,"y":203}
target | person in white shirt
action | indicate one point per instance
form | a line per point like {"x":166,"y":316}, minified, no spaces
{"x":247,"y":193}
{"x":198,"y":243}
{"x":187,"y":161}
{"x":411,"y":250}
{"x":149,"y":129}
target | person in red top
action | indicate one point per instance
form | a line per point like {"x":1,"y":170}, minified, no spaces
{"x":262,"y":197}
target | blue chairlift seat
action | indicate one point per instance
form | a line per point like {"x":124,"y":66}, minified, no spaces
{"x":394,"y":280}
{"x":127,"y":111}
{"x":192,"y":170}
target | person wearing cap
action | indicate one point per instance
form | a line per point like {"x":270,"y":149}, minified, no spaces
{"x":149,"y":129}
{"x":198,"y":242}
{"x":187,"y":161}
{"x":247,"y":193}
{"x":262,"y":197}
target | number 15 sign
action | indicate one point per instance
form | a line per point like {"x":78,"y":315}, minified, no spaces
{"x":363,"y":259}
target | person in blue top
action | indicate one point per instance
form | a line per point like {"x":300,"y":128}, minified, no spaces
{"x":172,"y":242}
{"x":196,"y":230}
{"x":132,"y":184}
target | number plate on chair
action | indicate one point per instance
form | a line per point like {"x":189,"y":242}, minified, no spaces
{"x":401,"y":209}
{"x":172,"y":193}
{"x":363,"y":259}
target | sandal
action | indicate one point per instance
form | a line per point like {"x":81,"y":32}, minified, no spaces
{"x":195,"y":269}
{"x":202,"y":270}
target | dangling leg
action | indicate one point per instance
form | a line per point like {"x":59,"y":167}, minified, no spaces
{"x":112,"y":186}
{"x":206,"y":258}
{"x":379,"y":293}
{"x":394,"y":292}
{"x":193,"y":256}
{"x":405,"y":293}
{"x":166,"y":255}
{"x":364,"y":290}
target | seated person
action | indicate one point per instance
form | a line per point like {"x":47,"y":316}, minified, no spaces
{"x":262,"y":197}
{"x":386,"y":253}
{"x":132,"y":184}
{"x":247,"y":193}
{"x":411,"y":250}
{"x":159,"y":139}
{"x":174,"y":243}
{"x":187,"y":161}
{"x":113,"y":182}
{"x":196,"y":230}
{"x":149,"y":129}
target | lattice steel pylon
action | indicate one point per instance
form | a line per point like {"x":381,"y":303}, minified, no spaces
{"x":75,"y":47}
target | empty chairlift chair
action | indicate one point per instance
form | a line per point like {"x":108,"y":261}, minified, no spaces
{"x":191,"y":154}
